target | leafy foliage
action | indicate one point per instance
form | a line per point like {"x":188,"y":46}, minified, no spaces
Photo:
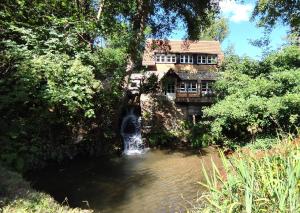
{"x":135,"y":20}
{"x":217,"y":30}
{"x":58,"y":88}
{"x":150,"y":85}
{"x":255,"y":97}
{"x":268,"y":13}
{"x":272,"y":11}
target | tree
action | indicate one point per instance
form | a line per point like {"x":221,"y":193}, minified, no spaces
{"x":271,"y":12}
{"x":158,"y":16}
{"x":57,"y":86}
{"x":218,"y":30}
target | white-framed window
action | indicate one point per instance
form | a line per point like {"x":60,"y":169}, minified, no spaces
{"x":168,"y":59}
{"x":192,"y":86}
{"x":182,"y":87}
{"x":186,"y":59}
{"x":207,"y":59}
{"x":188,"y":86}
{"x":162,"y":58}
{"x":211,"y":59}
{"x":173,"y":57}
{"x":165,"y":58}
{"x":201,"y":59}
{"x":206,"y":87}
{"x":157,"y":58}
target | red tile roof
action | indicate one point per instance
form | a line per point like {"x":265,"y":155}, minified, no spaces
{"x":183,"y":46}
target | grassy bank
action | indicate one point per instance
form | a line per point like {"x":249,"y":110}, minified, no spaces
{"x":255,"y":180}
{"x":16,"y":196}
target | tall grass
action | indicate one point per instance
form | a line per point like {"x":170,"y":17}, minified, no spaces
{"x":255,"y":181}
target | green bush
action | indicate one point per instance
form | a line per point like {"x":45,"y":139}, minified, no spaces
{"x":257,"y":97}
{"x":199,"y":135}
{"x":162,"y":138}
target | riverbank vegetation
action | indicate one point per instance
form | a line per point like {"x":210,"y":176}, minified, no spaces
{"x":16,"y":195}
{"x":255,"y":180}
{"x":257,"y":115}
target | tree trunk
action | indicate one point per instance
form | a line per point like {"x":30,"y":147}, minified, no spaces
{"x":138,"y":28}
{"x":101,"y":5}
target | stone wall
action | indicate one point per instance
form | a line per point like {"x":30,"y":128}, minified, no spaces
{"x":158,"y":113}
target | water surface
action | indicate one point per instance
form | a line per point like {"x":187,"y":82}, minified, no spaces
{"x":158,"y":181}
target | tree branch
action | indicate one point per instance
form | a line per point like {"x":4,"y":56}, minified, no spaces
{"x":101,"y":5}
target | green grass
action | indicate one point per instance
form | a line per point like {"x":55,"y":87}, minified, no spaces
{"x":266,"y":180}
{"x":16,"y":196}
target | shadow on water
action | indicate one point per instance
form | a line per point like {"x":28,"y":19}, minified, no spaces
{"x":153,"y":182}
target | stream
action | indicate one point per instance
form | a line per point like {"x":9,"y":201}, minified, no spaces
{"x":157,"y":181}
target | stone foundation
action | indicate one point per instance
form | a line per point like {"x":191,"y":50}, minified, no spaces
{"x":158,"y":113}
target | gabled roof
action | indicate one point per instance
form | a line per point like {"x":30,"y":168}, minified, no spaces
{"x":183,"y":46}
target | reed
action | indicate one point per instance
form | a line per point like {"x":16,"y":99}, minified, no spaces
{"x":255,"y":181}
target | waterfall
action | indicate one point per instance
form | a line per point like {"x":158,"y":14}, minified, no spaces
{"x":131,"y":134}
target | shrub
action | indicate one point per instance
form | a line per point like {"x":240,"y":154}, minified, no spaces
{"x":257,"y":97}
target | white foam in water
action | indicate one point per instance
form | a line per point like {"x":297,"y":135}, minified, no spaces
{"x":133,"y":143}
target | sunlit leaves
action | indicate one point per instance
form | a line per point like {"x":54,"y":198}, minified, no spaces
{"x":256,"y":97}
{"x":271,"y":12}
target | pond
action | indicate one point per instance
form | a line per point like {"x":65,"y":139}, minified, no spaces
{"x":157,"y":181}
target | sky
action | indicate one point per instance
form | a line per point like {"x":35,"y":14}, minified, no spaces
{"x":241,"y":29}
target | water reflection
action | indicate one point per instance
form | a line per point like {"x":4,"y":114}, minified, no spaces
{"x":154,"y":182}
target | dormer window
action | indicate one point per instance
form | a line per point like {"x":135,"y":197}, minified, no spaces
{"x":186,"y":59}
{"x":206,"y":59}
{"x":165,"y":58}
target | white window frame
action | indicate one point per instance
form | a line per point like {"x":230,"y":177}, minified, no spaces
{"x":201,"y":59}
{"x":163,"y":58}
{"x":206,"y":87}
{"x":182,"y":89}
{"x":186,"y":58}
{"x":157,"y":58}
{"x":192,"y":89}
{"x":212,"y":59}
{"x":173,"y":58}
{"x":188,"y":86}
{"x":168,"y":59}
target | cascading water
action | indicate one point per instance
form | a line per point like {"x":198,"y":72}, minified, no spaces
{"x":131,"y":133}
